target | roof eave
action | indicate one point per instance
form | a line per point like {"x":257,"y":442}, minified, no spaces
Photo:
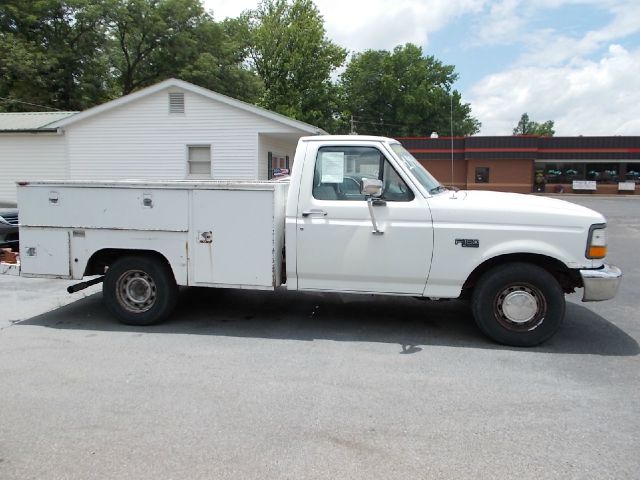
{"x":173,"y":82}
{"x":31,"y":130}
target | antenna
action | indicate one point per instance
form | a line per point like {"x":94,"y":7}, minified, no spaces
{"x":451,"y":125}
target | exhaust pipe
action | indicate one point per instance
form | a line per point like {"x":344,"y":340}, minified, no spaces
{"x":82,"y":285}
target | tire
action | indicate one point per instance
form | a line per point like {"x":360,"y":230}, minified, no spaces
{"x":140,"y":290}
{"x":518,"y":304}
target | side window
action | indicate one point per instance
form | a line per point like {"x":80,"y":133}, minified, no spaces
{"x":339,"y":172}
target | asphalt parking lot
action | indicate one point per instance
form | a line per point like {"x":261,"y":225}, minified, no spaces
{"x":255,"y":385}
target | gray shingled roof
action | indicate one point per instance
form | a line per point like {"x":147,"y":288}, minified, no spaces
{"x":30,"y":121}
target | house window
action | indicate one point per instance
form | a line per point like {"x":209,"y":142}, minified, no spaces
{"x":176,"y":102}
{"x":199,"y":162}
{"x":482,"y":175}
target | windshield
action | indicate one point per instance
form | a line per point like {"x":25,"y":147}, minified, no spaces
{"x":420,"y":173}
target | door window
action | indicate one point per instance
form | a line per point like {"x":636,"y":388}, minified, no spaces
{"x":339,"y":172}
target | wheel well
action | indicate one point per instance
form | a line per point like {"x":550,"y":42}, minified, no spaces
{"x":567,"y":278}
{"x":102,"y":259}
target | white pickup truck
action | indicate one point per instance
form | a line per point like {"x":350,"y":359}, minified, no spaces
{"x":358,"y":215}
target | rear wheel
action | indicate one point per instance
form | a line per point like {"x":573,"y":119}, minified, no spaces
{"x":518,"y":304}
{"x":140,"y":290}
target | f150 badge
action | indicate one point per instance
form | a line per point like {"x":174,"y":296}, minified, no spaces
{"x":468,"y":242}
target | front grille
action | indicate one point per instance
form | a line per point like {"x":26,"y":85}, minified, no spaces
{"x":12,"y":218}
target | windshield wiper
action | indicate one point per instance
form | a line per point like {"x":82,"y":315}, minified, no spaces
{"x":437,"y":189}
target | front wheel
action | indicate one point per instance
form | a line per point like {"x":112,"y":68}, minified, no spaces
{"x":140,"y":290}
{"x":518,"y":304}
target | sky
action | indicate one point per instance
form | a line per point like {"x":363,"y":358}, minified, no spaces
{"x":576,"y":62}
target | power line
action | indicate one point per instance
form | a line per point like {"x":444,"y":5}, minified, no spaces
{"x":354,"y":120}
{"x":11,"y":100}
{"x":379,"y":123}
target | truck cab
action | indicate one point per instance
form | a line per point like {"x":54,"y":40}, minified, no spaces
{"x":514,"y":256}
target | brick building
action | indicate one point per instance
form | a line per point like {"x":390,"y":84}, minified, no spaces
{"x":524,"y":164}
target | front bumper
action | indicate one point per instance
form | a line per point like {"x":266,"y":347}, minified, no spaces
{"x":600,"y":284}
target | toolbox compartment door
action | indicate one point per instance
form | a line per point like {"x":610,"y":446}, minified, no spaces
{"x":44,"y":252}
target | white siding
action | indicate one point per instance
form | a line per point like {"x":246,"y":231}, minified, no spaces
{"x":142,"y":140}
{"x":39,"y":156}
{"x":277,"y":146}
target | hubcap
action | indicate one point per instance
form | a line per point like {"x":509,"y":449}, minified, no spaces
{"x":520,"y":307}
{"x":136,"y":291}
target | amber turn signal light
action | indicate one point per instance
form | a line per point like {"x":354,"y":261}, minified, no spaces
{"x":597,"y":252}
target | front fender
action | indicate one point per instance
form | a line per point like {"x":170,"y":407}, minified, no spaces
{"x":453,"y":262}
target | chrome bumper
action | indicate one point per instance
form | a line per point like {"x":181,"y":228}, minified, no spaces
{"x":601,"y":284}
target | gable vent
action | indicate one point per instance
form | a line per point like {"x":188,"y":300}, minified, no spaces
{"x":176,"y":102}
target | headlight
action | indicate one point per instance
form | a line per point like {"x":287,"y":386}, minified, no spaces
{"x":597,"y":241}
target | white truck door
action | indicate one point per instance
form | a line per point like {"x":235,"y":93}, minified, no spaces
{"x":337,"y":249}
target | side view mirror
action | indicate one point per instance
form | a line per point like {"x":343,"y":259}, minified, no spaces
{"x":371,"y":187}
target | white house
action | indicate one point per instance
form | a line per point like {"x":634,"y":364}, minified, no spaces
{"x":171,"y":130}
{"x":29,"y":149}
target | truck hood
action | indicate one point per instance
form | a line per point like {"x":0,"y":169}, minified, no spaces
{"x":511,"y":208}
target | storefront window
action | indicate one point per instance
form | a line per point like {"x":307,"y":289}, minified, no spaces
{"x":631,"y":172}
{"x":561,"y":172}
{"x":603,"y":172}
{"x":482,"y":174}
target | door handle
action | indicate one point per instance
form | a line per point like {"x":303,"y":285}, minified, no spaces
{"x":308,"y":213}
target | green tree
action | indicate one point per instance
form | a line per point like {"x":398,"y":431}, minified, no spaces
{"x":219,"y":62}
{"x":74,"y":54}
{"x":152,"y":40}
{"x":290,"y":52}
{"x":528,"y":127}
{"x":404,"y":93}
{"x":52,"y":54}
